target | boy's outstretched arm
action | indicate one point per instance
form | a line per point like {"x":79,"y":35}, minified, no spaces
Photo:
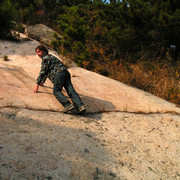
{"x":36,"y":88}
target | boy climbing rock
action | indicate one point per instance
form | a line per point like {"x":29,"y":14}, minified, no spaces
{"x":54,"y":69}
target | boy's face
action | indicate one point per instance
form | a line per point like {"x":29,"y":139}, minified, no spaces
{"x":39,"y":53}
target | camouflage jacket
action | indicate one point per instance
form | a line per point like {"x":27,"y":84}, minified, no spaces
{"x":50,"y":66}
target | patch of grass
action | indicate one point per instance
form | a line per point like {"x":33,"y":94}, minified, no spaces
{"x":5,"y":58}
{"x":159,"y":78}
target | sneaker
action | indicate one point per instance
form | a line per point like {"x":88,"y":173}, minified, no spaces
{"x":68,"y":108}
{"x":81,"y":110}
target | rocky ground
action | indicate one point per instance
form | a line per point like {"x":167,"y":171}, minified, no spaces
{"x":127,"y":134}
{"x":116,"y":145}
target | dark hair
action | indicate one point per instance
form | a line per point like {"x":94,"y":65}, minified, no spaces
{"x":42,"y":48}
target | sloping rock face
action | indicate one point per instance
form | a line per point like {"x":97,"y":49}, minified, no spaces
{"x":99,"y":93}
{"x":126,"y":133}
{"x":41,"y":33}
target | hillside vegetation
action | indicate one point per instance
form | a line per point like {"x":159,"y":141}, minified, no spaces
{"x":132,"y":41}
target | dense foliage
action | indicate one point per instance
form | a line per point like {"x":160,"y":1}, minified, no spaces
{"x":119,"y":28}
{"x":96,"y":29}
{"x":8,"y":13}
{"x":109,"y":37}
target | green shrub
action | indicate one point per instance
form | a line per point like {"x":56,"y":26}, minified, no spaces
{"x":5,"y":58}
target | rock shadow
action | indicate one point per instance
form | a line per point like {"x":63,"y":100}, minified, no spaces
{"x":96,"y":105}
{"x":92,"y":104}
{"x":37,"y":149}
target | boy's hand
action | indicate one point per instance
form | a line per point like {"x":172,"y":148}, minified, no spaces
{"x":36,"y":88}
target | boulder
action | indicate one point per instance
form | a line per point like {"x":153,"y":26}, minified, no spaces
{"x":41,"y":32}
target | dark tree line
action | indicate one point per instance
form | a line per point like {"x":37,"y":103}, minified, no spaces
{"x":99,"y":31}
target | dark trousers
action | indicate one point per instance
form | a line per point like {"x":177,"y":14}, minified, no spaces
{"x":63,"y":79}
